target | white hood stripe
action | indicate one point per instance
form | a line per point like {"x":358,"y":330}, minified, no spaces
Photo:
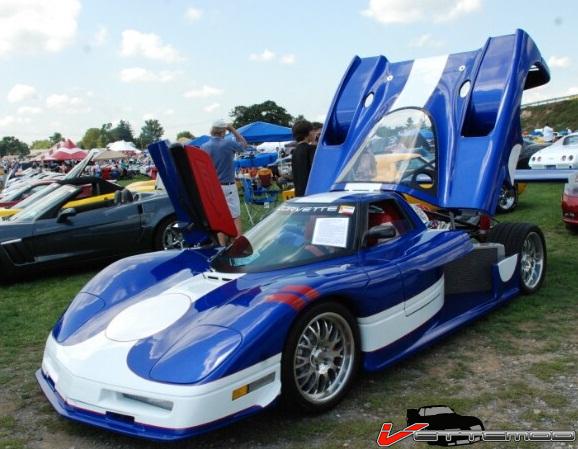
{"x":424,"y":77}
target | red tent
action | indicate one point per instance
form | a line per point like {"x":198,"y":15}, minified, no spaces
{"x":66,"y":143}
{"x":68,"y":154}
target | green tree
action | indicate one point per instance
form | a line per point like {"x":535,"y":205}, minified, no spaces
{"x":41,"y":144}
{"x":11,"y":145}
{"x":91,"y":139}
{"x":150,"y":132}
{"x":268,"y":111}
{"x":55,"y":138}
{"x":299,"y":118}
{"x":105,"y":135}
{"x":187,"y":134}
{"x":122,"y":131}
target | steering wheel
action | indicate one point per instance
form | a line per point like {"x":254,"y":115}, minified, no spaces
{"x":316,"y":250}
{"x":422,"y":171}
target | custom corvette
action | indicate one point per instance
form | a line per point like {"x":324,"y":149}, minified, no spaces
{"x":84,"y":219}
{"x":171,"y":344}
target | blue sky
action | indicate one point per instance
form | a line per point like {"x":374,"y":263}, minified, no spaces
{"x":68,"y":65}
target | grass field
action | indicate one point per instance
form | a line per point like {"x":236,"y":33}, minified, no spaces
{"x":515,"y":368}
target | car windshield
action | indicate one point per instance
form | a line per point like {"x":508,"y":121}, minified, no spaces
{"x":15,"y":194}
{"x":400,"y":149}
{"x":571,"y":140}
{"x":294,"y":234}
{"x":438,"y":411}
{"x":50,"y":201}
{"x":38,"y":194}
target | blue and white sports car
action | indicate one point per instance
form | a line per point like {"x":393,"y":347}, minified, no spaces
{"x":353,"y":276}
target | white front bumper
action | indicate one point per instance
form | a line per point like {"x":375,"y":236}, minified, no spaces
{"x":94,"y":376}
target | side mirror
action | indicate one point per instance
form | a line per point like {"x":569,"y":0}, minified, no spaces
{"x":65,"y":214}
{"x":382,"y":231}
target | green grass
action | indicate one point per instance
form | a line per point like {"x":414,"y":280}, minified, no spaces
{"x":515,"y":368}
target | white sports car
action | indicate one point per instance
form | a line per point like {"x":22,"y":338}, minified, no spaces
{"x":561,"y":154}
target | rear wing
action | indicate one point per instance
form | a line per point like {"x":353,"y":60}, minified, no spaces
{"x":546,"y":175}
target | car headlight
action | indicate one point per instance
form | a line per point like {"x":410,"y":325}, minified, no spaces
{"x":571,"y":157}
{"x":564,"y":158}
{"x":533,"y":158}
{"x":539,"y":158}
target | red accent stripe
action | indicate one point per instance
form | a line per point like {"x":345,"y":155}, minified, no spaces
{"x":287,"y":298}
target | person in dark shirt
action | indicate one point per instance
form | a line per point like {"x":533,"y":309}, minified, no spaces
{"x":302,"y":156}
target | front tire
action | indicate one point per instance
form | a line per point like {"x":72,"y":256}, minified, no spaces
{"x":321,"y":358}
{"x":526,"y":240}
{"x":166,"y":237}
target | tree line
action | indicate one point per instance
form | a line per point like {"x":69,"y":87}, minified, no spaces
{"x":100,"y":137}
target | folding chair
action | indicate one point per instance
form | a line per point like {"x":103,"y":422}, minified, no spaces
{"x":258,"y":198}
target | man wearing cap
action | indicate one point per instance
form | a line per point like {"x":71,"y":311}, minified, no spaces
{"x":222,"y":152}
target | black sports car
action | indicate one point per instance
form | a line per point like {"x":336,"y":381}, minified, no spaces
{"x":442,"y":417}
{"x":67,"y":227}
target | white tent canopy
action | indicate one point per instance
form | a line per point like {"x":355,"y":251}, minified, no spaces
{"x":122,"y":145}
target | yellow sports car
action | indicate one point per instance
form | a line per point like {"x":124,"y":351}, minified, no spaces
{"x":95,"y":191}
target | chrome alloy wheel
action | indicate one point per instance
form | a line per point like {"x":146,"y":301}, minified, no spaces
{"x":324,"y":357}
{"x":532,"y":260}
{"x":507,"y":198}
{"x":172,"y":238}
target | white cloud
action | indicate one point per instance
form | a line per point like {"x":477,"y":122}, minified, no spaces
{"x":409,"y":11}
{"x":6,"y":121}
{"x":101,"y":36}
{"x":193,"y":14}
{"x":169,"y":112}
{"x":212,"y":107}
{"x":572,"y":91}
{"x":140,"y":75}
{"x":148,"y":116}
{"x":29,"y":110}
{"x":203,"y":92}
{"x":10,"y":120}
{"x":37,"y":25}
{"x":21,"y":92}
{"x":267,"y":55}
{"x":559,"y":62}
{"x":148,"y":45}
{"x":287,"y":59}
{"x":425,"y":40}
{"x":67,"y":103}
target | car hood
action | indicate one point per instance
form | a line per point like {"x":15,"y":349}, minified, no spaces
{"x":176,"y":320}
{"x":191,"y":182}
{"x":473,"y":100}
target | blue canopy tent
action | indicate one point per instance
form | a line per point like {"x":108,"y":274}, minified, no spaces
{"x":258,"y":132}
{"x":198,"y":141}
{"x":255,"y":132}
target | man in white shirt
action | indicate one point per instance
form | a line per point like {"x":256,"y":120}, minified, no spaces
{"x":547,"y":133}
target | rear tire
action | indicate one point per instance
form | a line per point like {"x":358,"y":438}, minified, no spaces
{"x":321,"y":358}
{"x":508,"y":200}
{"x":572,"y":228}
{"x":527,"y":241}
